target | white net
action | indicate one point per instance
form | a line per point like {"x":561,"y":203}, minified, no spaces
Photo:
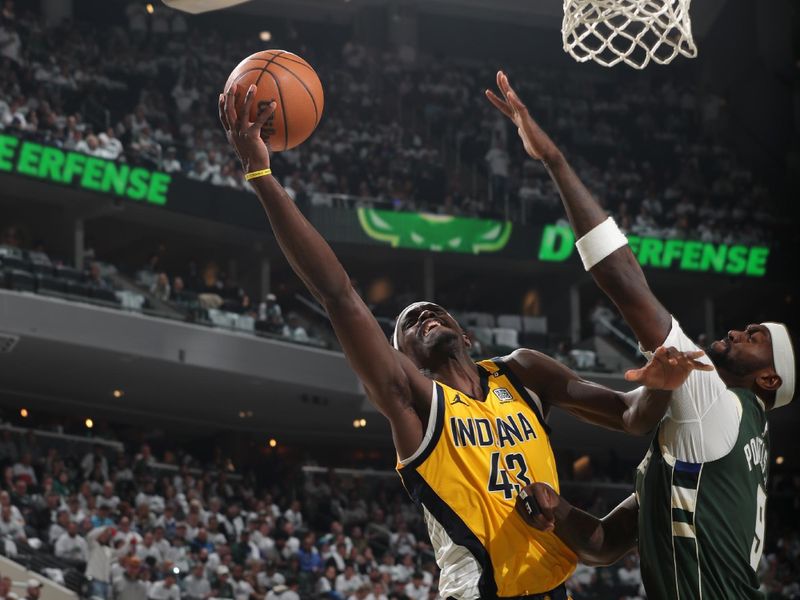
{"x":630,"y":31}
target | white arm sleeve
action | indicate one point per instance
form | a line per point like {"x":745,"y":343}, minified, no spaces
{"x":702,"y":421}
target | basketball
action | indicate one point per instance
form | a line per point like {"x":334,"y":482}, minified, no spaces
{"x":292,"y":83}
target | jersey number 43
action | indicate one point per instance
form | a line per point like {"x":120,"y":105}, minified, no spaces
{"x":508,"y":474}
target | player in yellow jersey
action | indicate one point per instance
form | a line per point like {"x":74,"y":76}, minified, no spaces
{"x":468,"y":436}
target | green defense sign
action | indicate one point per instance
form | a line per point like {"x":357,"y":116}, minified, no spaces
{"x":89,"y":172}
{"x":437,"y":233}
{"x":558,"y":244}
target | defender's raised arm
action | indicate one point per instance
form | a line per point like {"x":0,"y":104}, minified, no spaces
{"x":393,"y":383}
{"x":604,"y":250}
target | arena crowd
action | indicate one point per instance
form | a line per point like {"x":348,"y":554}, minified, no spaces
{"x":395,"y":134}
{"x":141,"y":527}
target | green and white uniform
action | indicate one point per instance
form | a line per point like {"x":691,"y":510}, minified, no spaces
{"x":701,"y":490}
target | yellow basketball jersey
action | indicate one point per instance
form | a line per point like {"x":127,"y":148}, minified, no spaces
{"x":476,"y":455}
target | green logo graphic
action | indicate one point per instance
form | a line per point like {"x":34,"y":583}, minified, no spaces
{"x":687,"y":255}
{"x":439,"y":233}
{"x":89,"y":172}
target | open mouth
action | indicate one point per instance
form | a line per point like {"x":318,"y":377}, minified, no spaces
{"x":429,"y":326}
{"x":722,"y":345}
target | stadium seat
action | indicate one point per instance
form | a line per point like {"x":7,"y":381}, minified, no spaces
{"x":483,"y":335}
{"x":130,"y":300}
{"x":478,"y":319}
{"x":245,"y":323}
{"x":510,"y":322}
{"x":534,"y":325}
{"x":76,"y":288}
{"x":508,"y":338}
{"x":104,"y":294}
{"x":14,"y":258}
{"x":47,"y":283}
{"x":40,"y":262}
{"x":18,"y":279}
{"x":584,"y":359}
{"x":68,"y":273}
{"x":221,"y":318}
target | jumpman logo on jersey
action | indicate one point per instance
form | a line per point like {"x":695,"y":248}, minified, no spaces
{"x":458,"y":400}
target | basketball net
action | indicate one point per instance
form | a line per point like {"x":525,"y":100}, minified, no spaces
{"x":630,"y":31}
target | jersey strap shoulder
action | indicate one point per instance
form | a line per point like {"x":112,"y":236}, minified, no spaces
{"x":498,"y":366}
{"x":433,"y":432}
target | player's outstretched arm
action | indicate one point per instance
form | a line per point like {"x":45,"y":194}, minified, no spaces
{"x":618,"y":274}
{"x":636,"y":412}
{"x":596,"y":542}
{"x":393,"y":384}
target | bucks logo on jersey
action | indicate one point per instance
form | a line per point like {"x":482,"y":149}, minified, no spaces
{"x":701,"y":525}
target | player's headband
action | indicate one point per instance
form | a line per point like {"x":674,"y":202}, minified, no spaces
{"x":783,"y":359}
{"x":395,"y":339}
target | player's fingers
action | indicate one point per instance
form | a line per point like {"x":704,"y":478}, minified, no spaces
{"x":505,"y":84}
{"x":515,"y":102}
{"x":264,"y":115}
{"x":222,"y":118}
{"x":500,"y":76}
{"x":540,"y":522}
{"x":635,"y":374}
{"x":701,"y":366}
{"x":230,"y":106}
{"x":695,"y":353}
{"x":499,"y":104}
{"x":244,"y":118}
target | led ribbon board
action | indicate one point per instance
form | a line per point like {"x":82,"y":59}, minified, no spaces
{"x":437,"y":233}
{"x":64,"y":167}
{"x":558,"y":244}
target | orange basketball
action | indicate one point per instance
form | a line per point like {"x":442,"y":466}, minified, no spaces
{"x":292,"y":83}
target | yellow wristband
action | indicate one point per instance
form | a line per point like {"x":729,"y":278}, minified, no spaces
{"x":254,"y":174}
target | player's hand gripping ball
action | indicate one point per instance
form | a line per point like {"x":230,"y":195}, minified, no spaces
{"x":290,"y":82}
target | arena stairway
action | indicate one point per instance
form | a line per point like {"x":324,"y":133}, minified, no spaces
{"x":31,"y":564}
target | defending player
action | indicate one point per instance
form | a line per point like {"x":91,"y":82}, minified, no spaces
{"x":469,"y":436}
{"x":701,"y":489}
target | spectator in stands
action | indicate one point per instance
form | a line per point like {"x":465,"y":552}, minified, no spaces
{"x":161,"y":288}
{"x":11,"y":531}
{"x":24,"y":471}
{"x":289,"y":591}
{"x":147,"y":275}
{"x":167,"y":589}
{"x":96,"y":279}
{"x":98,"y":566}
{"x":295,"y":331}
{"x":95,"y":457}
{"x":222,"y":586}
{"x":415,"y":589}
{"x":171,"y":164}
{"x":582,"y":582}
{"x":196,"y":585}
{"x":58,"y":528}
{"x":8,"y":448}
{"x":348,"y":582}
{"x":498,"y":161}
{"x":629,"y":575}
{"x":33,"y":590}
{"x":563,"y":354}
{"x":270,"y":576}
{"x":71,"y":546}
{"x":107,"y":497}
{"x":269,"y":313}
{"x":310,"y":560}
{"x":129,"y":586}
